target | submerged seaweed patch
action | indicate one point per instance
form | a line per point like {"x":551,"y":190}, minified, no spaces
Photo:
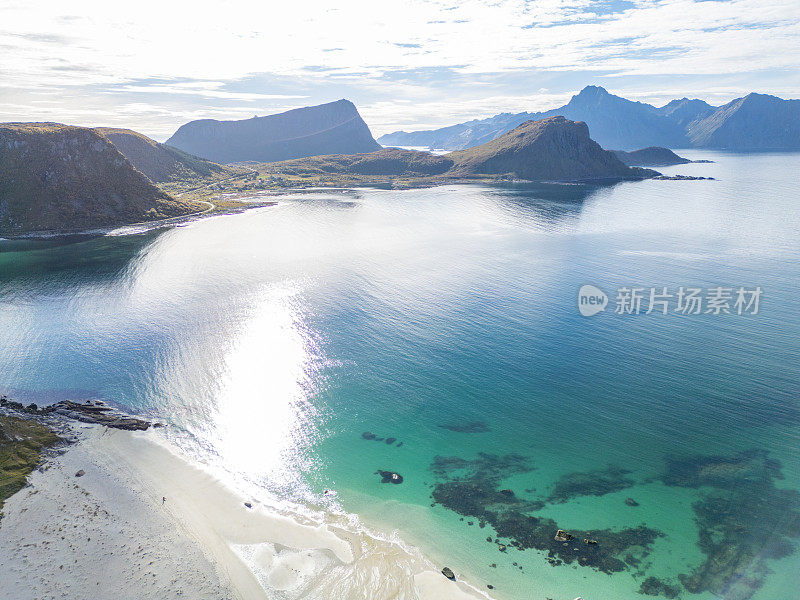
{"x":653,"y":586}
{"x":592,"y":483}
{"x":743,"y":520}
{"x":472,"y":489}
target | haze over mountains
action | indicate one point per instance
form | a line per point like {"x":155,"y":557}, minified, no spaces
{"x":755,"y":122}
{"x":332,"y":128}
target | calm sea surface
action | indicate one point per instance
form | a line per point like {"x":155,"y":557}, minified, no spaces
{"x":436,"y":334}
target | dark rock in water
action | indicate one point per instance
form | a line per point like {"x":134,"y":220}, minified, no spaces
{"x":99,"y":414}
{"x":471,"y":427}
{"x":391,"y":440}
{"x":682,"y":178}
{"x":368,"y":435}
{"x":489,"y":539}
{"x":400,"y":444}
{"x":447,"y":572}
{"x":652,"y":586}
{"x":509,"y":493}
{"x":563,"y":536}
{"x":631,"y":502}
{"x":80,"y":473}
{"x":248,"y":505}
{"x":389,"y":477}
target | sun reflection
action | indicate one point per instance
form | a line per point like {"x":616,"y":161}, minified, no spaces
{"x":263,"y":421}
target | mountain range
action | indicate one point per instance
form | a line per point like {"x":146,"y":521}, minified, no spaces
{"x":754,"y":122}
{"x":552,"y":149}
{"x":332,"y":128}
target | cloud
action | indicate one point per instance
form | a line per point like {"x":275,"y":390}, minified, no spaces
{"x":433,"y":51}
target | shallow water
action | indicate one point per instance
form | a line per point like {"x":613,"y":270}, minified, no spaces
{"x":275,"y":338}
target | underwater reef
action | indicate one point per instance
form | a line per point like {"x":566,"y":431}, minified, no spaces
{"x":743,"y":519}
{"x":592,"y":483}
{"x":472,"y":488}
{"x":653,"y":586}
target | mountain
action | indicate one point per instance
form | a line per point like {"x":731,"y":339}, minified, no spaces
{"x":333,"y":128}
{"x":161,"y":163}
{"x":654,"y":156}
{"x":60,"y":178}
{"x":685,"y":111}
{"x":551,"y":149}
{"x":755,"y":122}
{"x":613,"y":122}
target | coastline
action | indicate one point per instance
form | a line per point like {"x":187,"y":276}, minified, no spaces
{"x":108,"y":531}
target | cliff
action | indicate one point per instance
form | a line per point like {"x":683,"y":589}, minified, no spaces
{"x":59,"y":178}
{"x":333,"y":128}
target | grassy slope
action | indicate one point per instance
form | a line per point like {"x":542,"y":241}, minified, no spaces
{"x":163,"y":163}
{"x":21,"y":445}
{"x":60,"y":178}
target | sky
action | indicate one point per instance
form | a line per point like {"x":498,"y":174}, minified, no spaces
{"x":152,"y":66}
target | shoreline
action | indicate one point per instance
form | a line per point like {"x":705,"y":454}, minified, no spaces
{"x":243,"y":205}
{"x":235,"y":550}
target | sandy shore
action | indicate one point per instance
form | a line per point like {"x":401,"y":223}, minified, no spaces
{"x":108,"y":534}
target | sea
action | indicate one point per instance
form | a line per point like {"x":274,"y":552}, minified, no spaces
{"x":314,"y":348}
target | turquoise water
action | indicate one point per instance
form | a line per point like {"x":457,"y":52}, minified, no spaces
{"x":275,"y":338}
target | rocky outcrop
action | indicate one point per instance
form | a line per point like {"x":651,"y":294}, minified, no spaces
{"x":58,"y":178}
{"x":160,"y":162}
{"x":654,"y":156}
{"x":552,"y":149}
{"x":90,"y":411}
{"x":332,"y":128}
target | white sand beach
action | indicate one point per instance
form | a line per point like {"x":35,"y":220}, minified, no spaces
{"x":109,"y":534}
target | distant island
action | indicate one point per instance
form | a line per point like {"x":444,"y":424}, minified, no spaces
{"x":332,"y":128}
{"x":754,"y":122}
